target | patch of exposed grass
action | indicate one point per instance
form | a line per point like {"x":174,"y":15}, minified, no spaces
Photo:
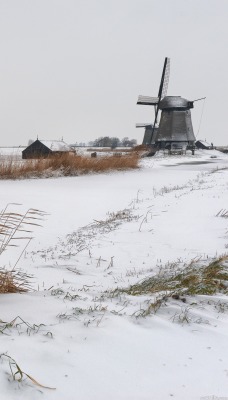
{"x":193,"y":280}
{"x":65,"y":165}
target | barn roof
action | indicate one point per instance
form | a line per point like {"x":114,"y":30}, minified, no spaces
{"x":56,"y":145}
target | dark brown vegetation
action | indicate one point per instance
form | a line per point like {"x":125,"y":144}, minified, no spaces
{"x":14,"y":281}
{"x":65,"y":165}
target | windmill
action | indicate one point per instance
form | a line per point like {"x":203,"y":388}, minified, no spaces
{"x":175,"y":129}
{"x":149,"y":132}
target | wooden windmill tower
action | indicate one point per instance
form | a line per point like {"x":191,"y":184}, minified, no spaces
{"x":149,"y":132}
{"x":175,"y":128}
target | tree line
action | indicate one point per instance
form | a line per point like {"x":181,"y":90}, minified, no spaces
{"x":105,"y":141}
{"x":113,"y":142}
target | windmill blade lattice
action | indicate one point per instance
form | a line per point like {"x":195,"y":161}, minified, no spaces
{"x":166,"y":78}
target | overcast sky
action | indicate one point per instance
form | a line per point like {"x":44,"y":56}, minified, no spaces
{"x":74,"y":68}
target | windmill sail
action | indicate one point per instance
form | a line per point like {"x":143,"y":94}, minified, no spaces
{"x":164,"y":79}
{"x":175,"y":131}
{"x":163,"y":87}
{"x":147,"y":100}
{"x":143,"y":124}
{"x":155,"y":101}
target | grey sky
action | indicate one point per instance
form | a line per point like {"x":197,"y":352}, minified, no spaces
{"x":74,"y":68}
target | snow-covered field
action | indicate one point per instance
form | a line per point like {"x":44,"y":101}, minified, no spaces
{"x":12,"y":152}
{"x":104,"y":232}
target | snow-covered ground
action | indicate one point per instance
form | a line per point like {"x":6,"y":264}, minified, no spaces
{"x":104,"y":232}
{"x":13,"y":152}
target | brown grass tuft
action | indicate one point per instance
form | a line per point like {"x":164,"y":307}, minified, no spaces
{"x":140,"y":147}
{"x":14,"y":281}
{"x":65,"y":165}
{"x":14,"y":228}
{"x":193,"y":280}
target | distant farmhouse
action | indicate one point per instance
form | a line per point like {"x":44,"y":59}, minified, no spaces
{"x":45,"y":148}
{"x":202,"y":144}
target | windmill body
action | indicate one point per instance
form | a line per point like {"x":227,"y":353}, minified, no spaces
{"x":175,"y":127}
{"x":149,"y":134}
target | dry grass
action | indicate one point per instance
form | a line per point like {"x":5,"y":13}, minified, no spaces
{"x":14,"y":281}
{"x":17,"y":374}
{"x":140,"y":147}
{"x":14,"y":228}
{"x":65,"y":165}
{"x":193,"y":280}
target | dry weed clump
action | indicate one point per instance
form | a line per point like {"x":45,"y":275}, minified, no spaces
{"x":193,"y":280}
{"x":14,"y":281}
{"x":15,"y":227}
{"x":65,"y":165}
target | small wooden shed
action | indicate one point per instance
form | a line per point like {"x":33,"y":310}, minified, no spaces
{"x":45,"y":148}
{"x":202,"y":144}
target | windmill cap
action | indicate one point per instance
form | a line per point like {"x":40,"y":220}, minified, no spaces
{"x":175,"y":102}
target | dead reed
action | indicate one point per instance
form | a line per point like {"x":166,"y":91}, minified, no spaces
{"x":17,"y":374}
{"x":192,"y":280}
{"x":140,"y":147}
{"x":14,"y":228}
{"x":14,"y":281}
{"x":65,"y":165}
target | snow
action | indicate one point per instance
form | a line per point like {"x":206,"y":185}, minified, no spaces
{"x":56,"y":145}
{"x":91,"y":345}
{"x":15,"y":152}
{"x":206,"y":144}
